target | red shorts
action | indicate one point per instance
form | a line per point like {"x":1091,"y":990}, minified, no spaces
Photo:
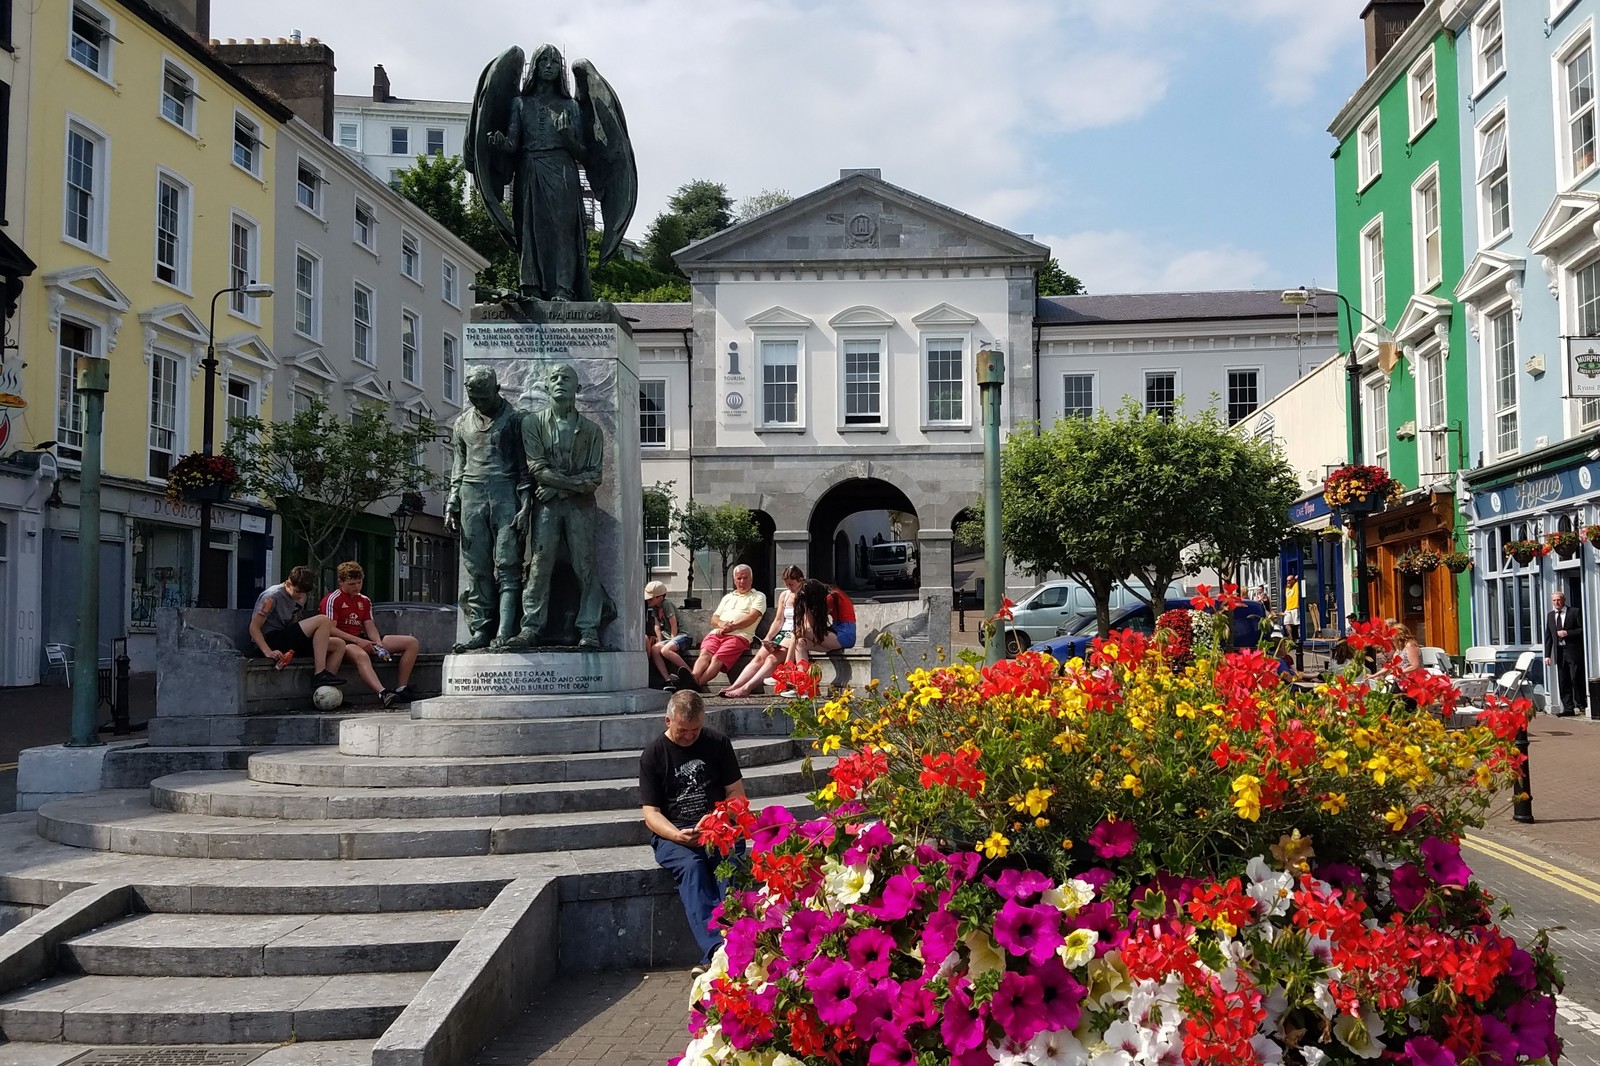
{"x":726,"y":647}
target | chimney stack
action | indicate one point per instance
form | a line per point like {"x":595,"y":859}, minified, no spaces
{"x":380,"y":85}
{"x":298,"y":71}
{"x":1386,"y":20}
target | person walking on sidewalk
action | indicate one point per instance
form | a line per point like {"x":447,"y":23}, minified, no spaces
{"x":683,"y":775}
{"x":1563,"y":650}
{"x":352,"y":614}
{"x":282,"y":628}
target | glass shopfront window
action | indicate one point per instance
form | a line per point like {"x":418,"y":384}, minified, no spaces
{"x":163,"y":571}
{"x":431,"y":570}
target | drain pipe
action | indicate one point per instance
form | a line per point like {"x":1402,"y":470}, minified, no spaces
{"x":1038,"y":375}
{"x":688,"y":352}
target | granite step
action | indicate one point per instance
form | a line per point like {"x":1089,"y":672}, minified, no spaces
{"x":229,"y":945}
{"x":126,"y":822}
{"x":295,"y":1053}
{"x":229,"y":794}
{"x":258,"y":730}
{"x":99,"y":1009}
{"x":390,"y":736}
{"x":334,"y":769}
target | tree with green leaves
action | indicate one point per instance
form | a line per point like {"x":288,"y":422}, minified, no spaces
{"x":632,"y":281}
{"x":692,"y":526}
{"x":724,"y":528}
{"x":321,"y":470}
{"x":762,"y":202}
{"x":1053,"y":281}
{"x":698,"y":209}
{"x":438,"y":185}
{"x":1136,"y":495}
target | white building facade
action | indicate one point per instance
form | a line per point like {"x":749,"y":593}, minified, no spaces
{"x":387,"y":133}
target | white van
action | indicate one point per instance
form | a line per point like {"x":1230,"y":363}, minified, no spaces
{"x":1048,"y":607}
{"x":893,"y":563}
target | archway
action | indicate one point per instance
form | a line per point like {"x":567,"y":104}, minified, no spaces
{"x":967,"y":560}
{"x":848,"y":521}
{"x":761,"y":557}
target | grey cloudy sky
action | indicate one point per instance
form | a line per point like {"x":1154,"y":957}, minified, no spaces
{"x":1152,"y":143}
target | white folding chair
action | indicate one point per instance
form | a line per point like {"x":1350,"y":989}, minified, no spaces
{"x":1438,"y":659}
{"x":59,"y":655}
{"x":1480,"y":659}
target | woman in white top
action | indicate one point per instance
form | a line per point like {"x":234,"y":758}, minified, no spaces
{"x":774,"y":648}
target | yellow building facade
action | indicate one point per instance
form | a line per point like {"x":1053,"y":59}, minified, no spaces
{"x":147,"y":195}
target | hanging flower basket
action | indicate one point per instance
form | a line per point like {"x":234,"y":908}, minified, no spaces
{"x":1592,"y":535}
{"x":202,"y":479}
{"x":1457,"y":562}
{"x":1563,"y":542}
{"x":1418,"y":561}
{"x":1361,"y":489}
{"x":1524,"y":551}
{"x":1331,"y":532}
{"x":1373,"y":571}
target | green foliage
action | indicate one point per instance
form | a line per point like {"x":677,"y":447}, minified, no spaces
{"x":1053,"y":281}
{"x":698,"y":209}
{"x":658,"y":501}
{"x":1110,"y":497}
{"x":726,"y":528}
{"x":762,"y":202}
{"x":632,"y":281}
{"x":321,"y":470}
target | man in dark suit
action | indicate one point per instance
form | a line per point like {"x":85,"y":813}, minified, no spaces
{"x":1563,"y":649}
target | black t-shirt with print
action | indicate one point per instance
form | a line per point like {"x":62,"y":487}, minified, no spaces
{"x":684,"y":783}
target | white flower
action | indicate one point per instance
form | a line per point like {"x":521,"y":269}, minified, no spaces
{"x":1135,"y":1044}
{"x":1071,"y":896}
{"x":1271,"y":889}
{"x":783,"y":1058}
{"x":1323,"y":998}
{"x":846,"y":884}
{"x":707,"y":1049}
{"x":1276,"y":1004}
{"x":1267,"y":1052}
{"x":982,"y":955}
{"x":1058,"y":1048}
{"x":1362,"y":1035}
{"x":1108,"y":981}
{"x":701,"y":988}
{"x":1008,"y":1054}
{"x":1077,"y":948}
{"x":1313,"y":1056}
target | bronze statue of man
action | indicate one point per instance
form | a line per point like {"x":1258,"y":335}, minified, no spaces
{"x":488,"y":493}
{"x":565,"y":453}
{"x":534,"y":136}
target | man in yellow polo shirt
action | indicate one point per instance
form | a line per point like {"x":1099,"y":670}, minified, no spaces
{"x":732,"y":626}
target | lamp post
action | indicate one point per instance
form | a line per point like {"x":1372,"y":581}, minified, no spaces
{"x":1299,"y":298}
{"x":93,"y":382}
{"x":991,"y":368}
{"x":403,"y":513}
{"x":207,"y":595}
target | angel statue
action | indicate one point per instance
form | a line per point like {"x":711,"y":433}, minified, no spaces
{"x":534,"y":138}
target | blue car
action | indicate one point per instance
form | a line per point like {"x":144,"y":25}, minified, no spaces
{"x":1247,"y":618}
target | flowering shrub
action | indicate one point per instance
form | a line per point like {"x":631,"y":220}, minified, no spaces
{"x":1175,"y":633}
{"x":1525,"y":551}
{"x":1418,"y":561}
{"x":1121,"y":861}
{"x":197,"y":471}
{"x":1358,"y":484}
{"x":1457,"y":561}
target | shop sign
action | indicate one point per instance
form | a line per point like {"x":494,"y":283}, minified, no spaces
{"x":1308,"y":509}
{"x":1533,"y":493}
{"x":1583,"y":366}
{"x":162,"y":509}
{"x":252,"y":523}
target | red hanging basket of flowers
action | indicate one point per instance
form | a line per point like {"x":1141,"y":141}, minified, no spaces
{"x":1564,"y":542}
{"x":202,"y":478}
{"x":1361,"y":489}
{"x":1525,"y":551}
{"x":1416,"y":561}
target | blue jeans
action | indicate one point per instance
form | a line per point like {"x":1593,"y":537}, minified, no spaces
{"x":695,"y":871}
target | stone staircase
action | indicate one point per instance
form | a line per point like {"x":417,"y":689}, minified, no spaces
{"x":341,"y":883}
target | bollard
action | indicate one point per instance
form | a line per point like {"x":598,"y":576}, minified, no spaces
{"x":1522,"y":806}
{"x":119,"y":689}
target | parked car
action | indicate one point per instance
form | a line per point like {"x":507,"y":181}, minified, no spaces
{"x":1044,"y":609}
{"x":1246,"y":629}
{"x":894,"y":562}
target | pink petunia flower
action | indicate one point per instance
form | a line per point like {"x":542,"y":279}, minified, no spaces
{"x":939,"y":935}
{"x":1533,"y":1026}
{"x":1407,"y":887}
{"x":773,"y":826}
{"x":869,"y":951}
{"x":834,"y":986}
{"x":1113,"y":840}
{"x":1426,"y":1051}
{"x":1034,"y":931}
{"x":1018,"y":1006}
{"x":901,"y":894}
{"x":1022,"y":886}
{"x":962,"y":1029}
{"x":1499,"y":1044}
{"x":1441,"y":860}
{"x":1061,"y":995}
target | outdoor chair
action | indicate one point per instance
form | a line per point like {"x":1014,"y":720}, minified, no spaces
{"x":59,"y":655}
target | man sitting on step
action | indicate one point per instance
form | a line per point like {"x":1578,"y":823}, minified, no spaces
{"x":683,"y":774}
{"x":352,"y":614}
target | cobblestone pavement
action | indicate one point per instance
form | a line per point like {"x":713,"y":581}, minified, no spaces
{"x":620,"y":1018}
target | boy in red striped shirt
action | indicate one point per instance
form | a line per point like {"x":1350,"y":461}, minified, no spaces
{"x":352,"y":616}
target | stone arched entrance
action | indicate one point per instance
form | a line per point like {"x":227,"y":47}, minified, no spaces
{"x":848,"y":520}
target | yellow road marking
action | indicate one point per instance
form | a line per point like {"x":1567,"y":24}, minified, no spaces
{"x":4,"y":766}
{"x":1578,"y":886}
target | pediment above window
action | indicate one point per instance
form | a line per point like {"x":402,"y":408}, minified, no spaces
{"x":246,"y":348}
{"x":862,"y":316}
{"x":369,"y":387}
{"x":944,"y":316}
{"x":1570,"y":220}
{"x":313,"y":362}
{"x":777,"y":317}
{"x":1422,"y":314}
{"x":90,"y":292}
{"x":174,"y":326}
{"x":1486,"y":278}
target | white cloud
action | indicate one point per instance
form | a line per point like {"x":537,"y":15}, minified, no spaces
{"x":1302,"y":42}
{"x":1124,"y":261}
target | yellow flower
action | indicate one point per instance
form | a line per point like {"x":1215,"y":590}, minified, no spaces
{"x":1131,"y":783}
{"x":1334,"y":803}
{"x":1293,"y":851}
{"x":1078,"y":947}
{"x":928,"y":694}
{"x":829,"y":793}
{"x":1379,"y":766}
{"x":995,"y":845}
{"x":1396,"y":817}
{"x":1035,"y":802}
{"x":1337,"y":761}
{"x":1185,"y":709}
{"x":1033,"y":762}
{"x":830,"y":743}
{"x":1109,"y":652}
{"x":1247,"y":797}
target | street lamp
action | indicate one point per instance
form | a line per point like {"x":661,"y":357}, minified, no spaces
{"x":402,"y":516}
{"x":1386,"y":346}
{"x":256,"y":290}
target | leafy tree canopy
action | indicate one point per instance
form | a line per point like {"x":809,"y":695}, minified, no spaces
{"x":1053,"y":281}
{"x":438,"y":185}
{"x":725,"y":528}
{"x":321,"y":470}
{"x":1112,"y":497}
{"x":698,"y":209}
{"x":762,"y":202}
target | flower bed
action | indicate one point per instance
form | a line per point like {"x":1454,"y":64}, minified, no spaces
{"x":1127,"y":862}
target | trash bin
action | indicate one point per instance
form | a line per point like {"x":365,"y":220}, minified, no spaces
{"x":1594,"y":695}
